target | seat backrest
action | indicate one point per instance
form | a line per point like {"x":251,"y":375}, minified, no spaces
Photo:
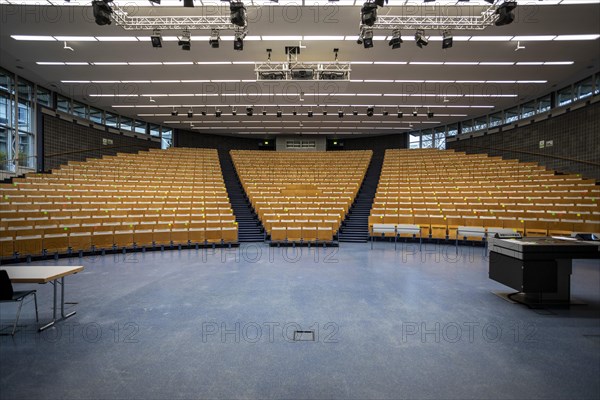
{"x":6,"y":289}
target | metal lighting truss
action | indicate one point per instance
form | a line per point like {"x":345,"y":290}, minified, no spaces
{"x":128,"y":22}
{"x":436,"y":22}
{"x":269,"y":71}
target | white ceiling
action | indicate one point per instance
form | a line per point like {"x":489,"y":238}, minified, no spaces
{"x":204,"y":78}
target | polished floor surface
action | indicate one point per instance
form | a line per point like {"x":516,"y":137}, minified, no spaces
{"x":260,"y":322}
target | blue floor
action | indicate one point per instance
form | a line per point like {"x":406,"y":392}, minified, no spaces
{"x":218,"y":324}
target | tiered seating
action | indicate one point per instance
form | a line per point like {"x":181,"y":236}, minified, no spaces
{"x":442,"y":190}
{"x":301,"y":197}
{"x":156,"y":198}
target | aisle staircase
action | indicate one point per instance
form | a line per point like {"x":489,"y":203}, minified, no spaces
{"x":249,"y":227}
{"x":355,"y":227}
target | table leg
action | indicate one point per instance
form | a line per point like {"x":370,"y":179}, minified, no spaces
{"x":62,"y":305}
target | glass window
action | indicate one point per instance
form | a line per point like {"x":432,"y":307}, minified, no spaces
{"x":452,"y":130}
{"x":466,"y":126}
{"x":495,"y":119}
{"x":25,"y":90}
{"x":6,"y":115}
{"x":126,"y":124}
{"x":26,"y":158}
{"x":427,"y":139}
{"x":440,"y":138}
{"x":6,"y":82}
{"x":414,"y":141}
{"x":79,"y":110}
{"x":511,"y":115}
{"x":154,"y":130}
{"x":112,"y":120}
{"x":584,"y":88}
{"x":564,"y":96}
{"x":544,"y":104}
{"x":167,"y":138}
{"x":25,"y":114}
{"x":44,"y":97}
{"x":96,"y":115}
{"x":597,"y":86}
{"x":140,"y":127}
{"x":63,"y":104}
{"x":528,"y":109}
{"x":480,"y":123}
{"x":4,"y":148}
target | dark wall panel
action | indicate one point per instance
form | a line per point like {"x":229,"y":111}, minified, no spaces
{"x":376,"y":143}
{"x":65,"y":141}
{"x":204,"y":140}
{"x":575,"y":136}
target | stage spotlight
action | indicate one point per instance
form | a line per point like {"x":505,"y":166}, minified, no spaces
{"x":415,"y":113}
{"x":324,"y":112}
{"x":249,"y":111}
{"x":233,"y":111}
{"x":370,"y":111}
{"x":294,"y":112}
{"x":505,"y":14}
{"x":214,"y":39}
{"x":446,"y":40}
{"x":310,"y":113}
{"x":354,"y":112}
{"x":203,"y":112}
{"x":340,"y":113}
{"x":264,"y":112}
{"x":102,"y":12}
{"x":368,"y":14}
{"x":174,"y":113}
{"x":420,"y":38}
{"x":400,"y":115}
{"x":429,"y":114}
{"x":238,"y":13}
{"x":185,"y":41}
{"x":188,"y":3}
{"x":218,"y":113}
{"x":279,"y":113}
{"x":396,"y":40}
{"x":151,"y":1}
{"x":366,"y":38}
{"x":156,"y":38}
{"x":385,"y":113}
{"x":380,"y":2}
{"x":238,"y":44}
{"x":190,"y":113}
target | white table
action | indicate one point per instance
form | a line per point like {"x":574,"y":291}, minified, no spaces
{"x":44,"y":274}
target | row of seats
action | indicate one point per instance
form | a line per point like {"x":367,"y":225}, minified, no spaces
{"x":420,"y":187}
{"x":33,"y":242}
{"x":157,"y":197}
{"x":294,"y":191}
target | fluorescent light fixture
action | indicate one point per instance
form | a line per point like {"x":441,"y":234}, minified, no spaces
{"x":76,"y":63}
{"x":213,"y":62}
{"x":426,"y":63}
{"x":145,"y":63}
{"x":34,"y":38}
{"x":110,"y":63}
{"x":178,"y":63}
{"x":530,"y":63}
{"x":533,"y":38}
{"x":461,"y":63}
{"x":50,"y":63}
{"x":75,"y":81}
{"x":577,"y":37}
{"x":75,"y":38}
{"x":559,"y":62}
{"x":117,"y":38}
{"x":281,"y":38}
{"x":490,"y":38}
{"x":309,"y":38}
{"x":166,"y":81}
{"x":496,"y":63}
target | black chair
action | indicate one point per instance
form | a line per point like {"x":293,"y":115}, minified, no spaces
{"x":7,"y":294}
